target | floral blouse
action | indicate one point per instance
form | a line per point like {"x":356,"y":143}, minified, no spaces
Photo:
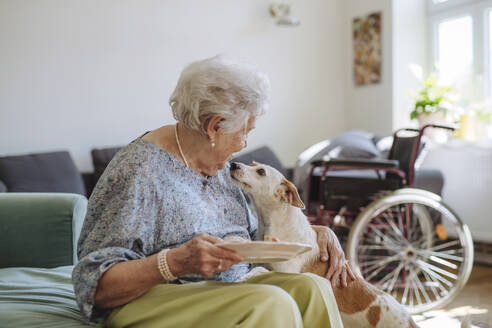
{"x":147,"y":200}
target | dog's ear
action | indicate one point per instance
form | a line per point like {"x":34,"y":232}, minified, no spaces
{"x":290,"y":194}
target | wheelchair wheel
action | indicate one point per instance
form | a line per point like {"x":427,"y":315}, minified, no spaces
{"x":412,"y":246}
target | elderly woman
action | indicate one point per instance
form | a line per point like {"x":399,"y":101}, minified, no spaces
{"x":148,"y":254}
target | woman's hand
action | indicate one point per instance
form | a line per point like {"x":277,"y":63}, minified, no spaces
{"x":330,"y":248}
{"x":200,"y":255}
{"x":124,"y":281}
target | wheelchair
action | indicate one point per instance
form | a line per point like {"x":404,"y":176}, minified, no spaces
{"x":403,"y":240}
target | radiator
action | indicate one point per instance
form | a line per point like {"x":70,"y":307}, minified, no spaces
{"x":467,"y":170}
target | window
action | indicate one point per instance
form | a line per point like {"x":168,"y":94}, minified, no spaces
{"x":455,"y":49}
{"x":461,"y":54}
{"x":461,"y":45}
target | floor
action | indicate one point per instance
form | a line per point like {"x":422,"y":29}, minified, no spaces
{"x":475,"y":300}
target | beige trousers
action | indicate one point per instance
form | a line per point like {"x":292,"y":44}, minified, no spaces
{"x":267,"y":300}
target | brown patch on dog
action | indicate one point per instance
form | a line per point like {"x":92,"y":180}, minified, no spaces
{"x":373,"y":315}
{"x":290,"y":194}
{"x":319,"y":268}
{"x":356,"y":297}
{"x":412,"y":323}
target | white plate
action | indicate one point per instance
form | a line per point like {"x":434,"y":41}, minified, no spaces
{"x":267,"y":251}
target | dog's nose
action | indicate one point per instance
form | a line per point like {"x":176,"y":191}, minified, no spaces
{"x":235,"y":166}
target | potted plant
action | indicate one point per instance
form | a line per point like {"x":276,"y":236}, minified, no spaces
{"x":432,"y":102}
{"x":432,"y":105}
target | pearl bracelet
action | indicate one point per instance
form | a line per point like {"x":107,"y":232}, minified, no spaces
{"x":164,"y":267}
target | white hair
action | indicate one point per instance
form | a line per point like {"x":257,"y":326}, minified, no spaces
{"x":216,"y":86}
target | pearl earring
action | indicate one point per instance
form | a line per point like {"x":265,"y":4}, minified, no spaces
{"x":212,"y":144}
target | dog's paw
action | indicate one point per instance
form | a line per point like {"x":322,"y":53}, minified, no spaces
{"x":270,"y":238}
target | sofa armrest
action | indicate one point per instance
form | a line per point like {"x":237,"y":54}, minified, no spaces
{"x":40,"y":229}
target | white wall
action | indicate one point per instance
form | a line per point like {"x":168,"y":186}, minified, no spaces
{"x":78,"y":74}
{"x":409,"y":47}
{"x":384,"y":107}
{"x":369,"y":107}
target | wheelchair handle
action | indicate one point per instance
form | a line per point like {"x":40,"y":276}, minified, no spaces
{"x":445,"y":126}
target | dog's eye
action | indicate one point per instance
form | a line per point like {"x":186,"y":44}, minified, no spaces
{"x":260,"y":172}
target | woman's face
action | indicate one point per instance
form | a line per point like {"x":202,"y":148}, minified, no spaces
{"x":227,"y":144}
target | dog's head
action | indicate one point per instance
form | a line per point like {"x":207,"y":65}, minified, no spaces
{"x":264,"y":183}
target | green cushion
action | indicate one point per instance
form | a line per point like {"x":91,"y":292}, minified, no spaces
{"x":40,"y":229}
{"x":41,"y":298}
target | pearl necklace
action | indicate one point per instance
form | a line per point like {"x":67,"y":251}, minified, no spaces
{"x":179,"y":145}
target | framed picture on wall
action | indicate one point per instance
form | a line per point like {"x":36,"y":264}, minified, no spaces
{"x":366,"y":39}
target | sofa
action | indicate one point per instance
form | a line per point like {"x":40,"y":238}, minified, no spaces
{"x":38,"y":236}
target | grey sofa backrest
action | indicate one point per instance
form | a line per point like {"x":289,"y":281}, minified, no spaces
{"x":41,"y":172}
{"x":262,"y":155}
{"x":101,"y":158}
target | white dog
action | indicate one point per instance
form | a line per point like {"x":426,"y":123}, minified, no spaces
{"x":279,"y":207}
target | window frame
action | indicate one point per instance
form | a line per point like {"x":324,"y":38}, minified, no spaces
{"x":481,"y":45}
{"x":447,"y":5}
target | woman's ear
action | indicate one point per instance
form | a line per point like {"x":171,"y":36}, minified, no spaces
{"x":213,"y":126}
